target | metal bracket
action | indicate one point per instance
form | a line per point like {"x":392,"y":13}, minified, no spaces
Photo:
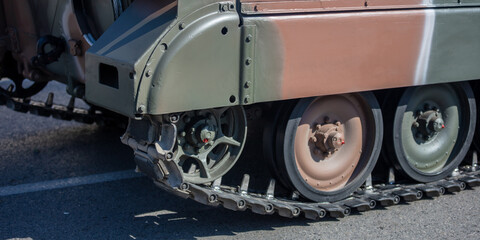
{"x":156,"y":159}
{"x":474,"y":161}
{"x":247,"y":85}
{"x":227,"y":6}
{"x":391,"y":176}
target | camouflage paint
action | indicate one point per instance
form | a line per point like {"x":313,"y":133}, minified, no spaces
{"x":127,"y":46}
{"x":322,"y":54}
{"x":331,"y":47}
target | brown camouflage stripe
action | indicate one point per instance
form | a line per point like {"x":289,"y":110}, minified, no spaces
{"x":321,"y":54}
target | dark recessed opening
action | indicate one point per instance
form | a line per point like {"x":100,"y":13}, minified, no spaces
{"x":108,"y":75}
{"x":232,"y":99}
{"x":224,"y":30}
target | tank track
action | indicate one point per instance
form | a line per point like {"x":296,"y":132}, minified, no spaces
{"x":67,"y":113}
{"x":240,"y":198}
{"x":364,"y":199}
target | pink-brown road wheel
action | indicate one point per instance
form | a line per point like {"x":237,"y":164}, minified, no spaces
{"x":330,"y":145}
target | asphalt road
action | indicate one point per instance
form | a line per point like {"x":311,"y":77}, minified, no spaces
{"x":36,"y":150}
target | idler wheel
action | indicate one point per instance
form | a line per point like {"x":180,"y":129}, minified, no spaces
{"x":209,"y":142}
{"x":330,"y":145}
{"x":431,"y":130}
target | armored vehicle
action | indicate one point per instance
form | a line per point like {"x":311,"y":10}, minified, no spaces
{"x":335,"y":85}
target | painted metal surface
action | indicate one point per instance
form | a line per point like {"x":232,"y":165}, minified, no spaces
{"x":302,"y":55}
{"x":322,"y":54}
{"x":173,"y":56}
{"x":254,"y":7}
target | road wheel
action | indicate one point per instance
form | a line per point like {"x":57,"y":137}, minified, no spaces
{"x":330,"y":145}
{"x":431,"y":131}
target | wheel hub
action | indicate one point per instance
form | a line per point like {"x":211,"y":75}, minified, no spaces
{"x":202,"y":132}
{"x":328,"y":138}
{"x":429,"y":124}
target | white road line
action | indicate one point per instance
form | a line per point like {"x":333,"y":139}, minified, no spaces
{"x":67,"y":182}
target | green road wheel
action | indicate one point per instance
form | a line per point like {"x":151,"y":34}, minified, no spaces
{"x":432,"y":130}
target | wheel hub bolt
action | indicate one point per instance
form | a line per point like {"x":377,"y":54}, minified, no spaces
{"x":207,"y":134}
{"x":335,"y":140}
{"x":429,"y":123}
{"x":437,"y":124}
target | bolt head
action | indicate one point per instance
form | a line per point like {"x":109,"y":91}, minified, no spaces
{"x":174,"y":118}
{"x":182,"y":26}
{"x":141,"y":109}
{"x":247,"y":99}
{"x":149,"y":73}
{"x":169,"y":155}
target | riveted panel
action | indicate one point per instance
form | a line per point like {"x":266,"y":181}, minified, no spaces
{"x":248,"y":64}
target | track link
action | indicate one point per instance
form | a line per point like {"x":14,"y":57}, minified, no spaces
{"x":362,"y":200}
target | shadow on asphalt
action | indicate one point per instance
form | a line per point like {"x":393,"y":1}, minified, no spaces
{"x":126,"y":209}
{"x":62,"y":152}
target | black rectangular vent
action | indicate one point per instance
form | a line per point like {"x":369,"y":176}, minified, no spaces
{"x":108,"y":75}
